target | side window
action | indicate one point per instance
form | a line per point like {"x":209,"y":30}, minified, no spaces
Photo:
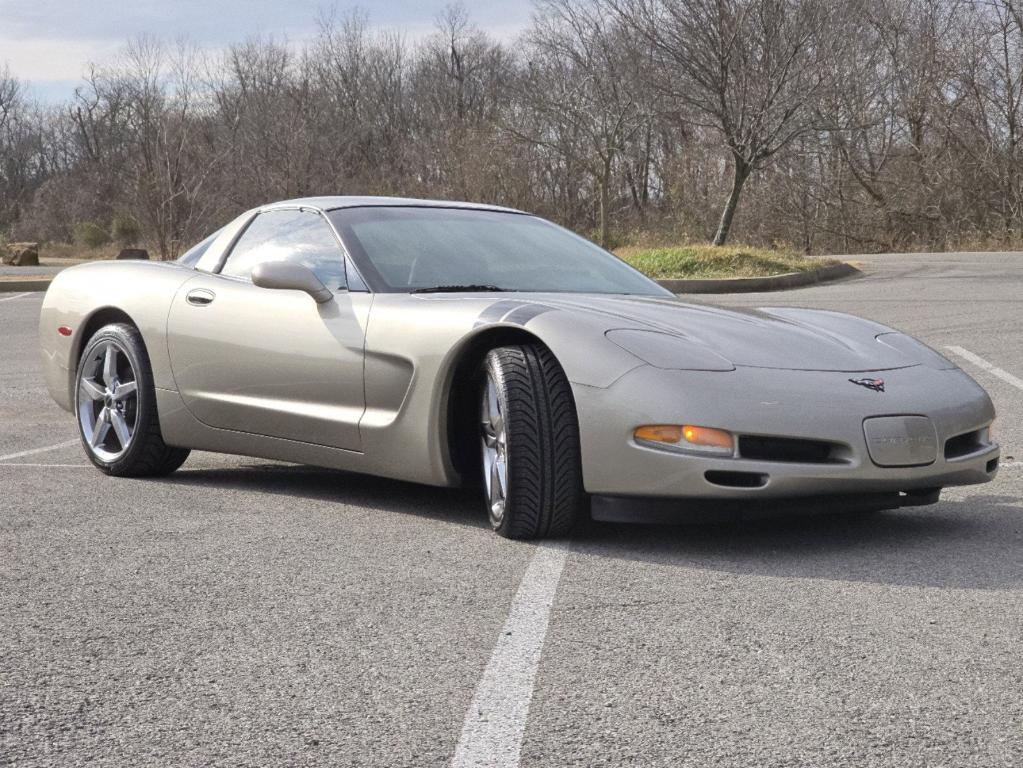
{"x":191,"y":257}
{"x":299,"y":236}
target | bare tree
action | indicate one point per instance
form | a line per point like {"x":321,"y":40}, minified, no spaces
{"x":10,"y":163}
{"x":140,"y":134}
{"x":751,"y":69}
{"x":583,"y":80}
{"x":869,"y":125}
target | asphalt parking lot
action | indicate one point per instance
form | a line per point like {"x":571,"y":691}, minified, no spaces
{"x":251,"y":613}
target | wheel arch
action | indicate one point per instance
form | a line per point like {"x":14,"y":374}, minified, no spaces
{"x":459,"y":409}
{"x":98,"y":319}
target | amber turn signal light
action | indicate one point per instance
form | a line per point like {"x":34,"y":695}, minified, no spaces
{"x":659,"y":433}
{"x":687,"y":437}
{"x":707,"y":437}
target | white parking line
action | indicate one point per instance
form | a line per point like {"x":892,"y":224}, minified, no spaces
{"x":20,"y":464}
{"x":994,"y":370}
{"x":496,"y":720}
{"x":34,"y":451}
{"x":15,"y":296}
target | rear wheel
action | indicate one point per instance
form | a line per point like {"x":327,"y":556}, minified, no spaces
{"x":115,"y":403}
{"x":530,"y":438}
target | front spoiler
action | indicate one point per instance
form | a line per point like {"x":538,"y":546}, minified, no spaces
{"x":638,"y":509}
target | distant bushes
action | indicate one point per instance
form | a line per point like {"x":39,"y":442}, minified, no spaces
{"x":125,"y":231}
{"x":91,"y":235}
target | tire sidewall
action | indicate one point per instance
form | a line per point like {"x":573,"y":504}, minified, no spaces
{"x":126,"y":338}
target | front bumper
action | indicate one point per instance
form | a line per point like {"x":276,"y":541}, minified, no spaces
{"x":808,"y":405}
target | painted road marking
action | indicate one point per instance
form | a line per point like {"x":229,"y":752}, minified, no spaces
{"x":994,"y":370}
{"x":34,"y":451}
{"x":496,"y":720}
{"x":17,"y":464}
{"x":16,"y":296}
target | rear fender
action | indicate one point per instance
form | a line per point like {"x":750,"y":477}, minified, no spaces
{"x":140,"y":292}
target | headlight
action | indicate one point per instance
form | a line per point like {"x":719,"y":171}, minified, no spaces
{"x":916,"y":351}
{"x":663,"y":350}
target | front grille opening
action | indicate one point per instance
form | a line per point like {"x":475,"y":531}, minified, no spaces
{"x":789,"y":449}
{"x":992,"y":466}
{"x":965,"y":444}
{"x":730,"y":479}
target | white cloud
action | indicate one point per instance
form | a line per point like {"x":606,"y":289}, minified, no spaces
{"x":50,"y":59}
{"x":54,"y":62}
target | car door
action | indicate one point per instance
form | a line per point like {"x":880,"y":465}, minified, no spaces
{"x":273,"y":362}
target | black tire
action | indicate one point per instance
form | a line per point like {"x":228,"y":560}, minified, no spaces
{"x":147,"y":455}
{"x":543,"y":471}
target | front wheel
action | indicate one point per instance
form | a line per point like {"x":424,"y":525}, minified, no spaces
{"x":530,"y":437}
{"x":115,"y":403}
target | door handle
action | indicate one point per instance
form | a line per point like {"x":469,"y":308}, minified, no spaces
{"x":200,"y":297}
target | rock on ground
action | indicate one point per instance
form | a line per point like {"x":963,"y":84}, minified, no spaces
{"x":20,"y":254}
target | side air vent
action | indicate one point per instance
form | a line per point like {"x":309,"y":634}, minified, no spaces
{"x":730,"y":479}
{"x":965,"y":444}
{"x":789,"y":449}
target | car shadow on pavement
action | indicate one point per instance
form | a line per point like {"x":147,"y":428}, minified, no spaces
{"x":451,"y":505}
{"x":971,"y":544}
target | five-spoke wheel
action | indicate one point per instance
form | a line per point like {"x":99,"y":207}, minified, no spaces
{"x":116,"y":405}
{"x":108,"y":401}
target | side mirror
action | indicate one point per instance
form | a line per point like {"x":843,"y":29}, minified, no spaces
{"x":287,"y":275}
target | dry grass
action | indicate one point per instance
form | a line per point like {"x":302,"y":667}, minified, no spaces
{"x":70,"y":252}
{"x":708,"y":261}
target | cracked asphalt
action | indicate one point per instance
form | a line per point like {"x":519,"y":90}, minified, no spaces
{"x":252,"y":613}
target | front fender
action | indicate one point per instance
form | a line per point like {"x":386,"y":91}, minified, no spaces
{"x":579,"y":343}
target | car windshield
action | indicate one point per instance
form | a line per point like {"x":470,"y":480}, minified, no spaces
{"x":457,"y":249}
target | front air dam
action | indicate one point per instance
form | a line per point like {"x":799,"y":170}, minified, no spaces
{"x":634,"y":509}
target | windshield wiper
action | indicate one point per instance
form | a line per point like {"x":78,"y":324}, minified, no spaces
{"x":456,"y":288}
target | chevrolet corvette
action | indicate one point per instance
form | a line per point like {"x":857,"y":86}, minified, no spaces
{"x":451,"y":343}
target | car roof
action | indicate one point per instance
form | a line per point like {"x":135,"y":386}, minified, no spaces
{"x":214,"y":254}
{"x":333,"y":202}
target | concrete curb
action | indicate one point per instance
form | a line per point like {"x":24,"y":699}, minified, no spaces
{"x":722,"y":285}
{"x":772,"y":283}
{"x":25,"y":284}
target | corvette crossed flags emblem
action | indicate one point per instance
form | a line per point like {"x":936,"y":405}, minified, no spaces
{"x":875,"y":384}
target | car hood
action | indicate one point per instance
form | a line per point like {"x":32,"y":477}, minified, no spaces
{"x":788,"y":338}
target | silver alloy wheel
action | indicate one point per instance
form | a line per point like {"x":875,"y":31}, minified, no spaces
{"x":108,"y":401}
{"x":495,"y":451}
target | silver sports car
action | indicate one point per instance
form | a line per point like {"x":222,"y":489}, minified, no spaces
{"x":448,"y":343}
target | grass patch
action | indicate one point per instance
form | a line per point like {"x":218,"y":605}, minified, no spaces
{"x":74,"y":252}
{"x":710,"y":262}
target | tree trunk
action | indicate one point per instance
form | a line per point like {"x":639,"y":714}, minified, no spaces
{"x":631,"y":181}
{"x":741,"y":173}
{"x":605,"y":202}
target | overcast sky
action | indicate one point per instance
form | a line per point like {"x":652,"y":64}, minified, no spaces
{"x":49,"y":43}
